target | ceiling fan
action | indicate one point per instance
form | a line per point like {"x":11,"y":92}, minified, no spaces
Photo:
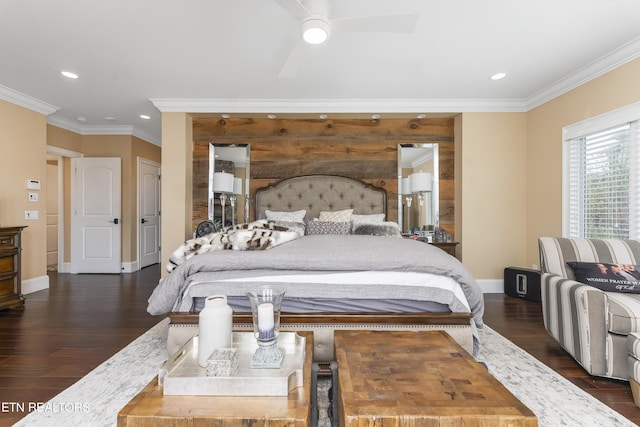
{"x":316,"y":27}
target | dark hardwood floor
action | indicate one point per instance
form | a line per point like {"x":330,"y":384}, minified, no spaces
{"x":521,"y":322}
{"x":82,"y":320}
{"x":66,"y":331}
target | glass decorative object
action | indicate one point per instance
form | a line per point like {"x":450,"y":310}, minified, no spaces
{"x":266,"y":303}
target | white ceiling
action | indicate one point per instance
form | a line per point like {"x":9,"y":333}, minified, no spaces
{"x":225,"y":56}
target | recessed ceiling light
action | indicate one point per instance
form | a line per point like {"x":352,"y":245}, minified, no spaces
{"x":498,"y":76}
{"x":144,"y":116}
{"x":271,"y":116}
{"x":109,"y":118}
{"x":323,"y":116}
{"x":69,"y":74}
{"x":81,"y":119}
{"x":225,"y":116}
{"x":421,"y":116}
{"x":375,"y":116}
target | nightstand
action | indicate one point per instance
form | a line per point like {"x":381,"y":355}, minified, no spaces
{"x":449,"y":247}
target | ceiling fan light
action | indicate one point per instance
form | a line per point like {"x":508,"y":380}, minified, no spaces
{"x":315,"y":31}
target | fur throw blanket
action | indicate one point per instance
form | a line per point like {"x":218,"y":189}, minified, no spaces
{"x":257,"y":235}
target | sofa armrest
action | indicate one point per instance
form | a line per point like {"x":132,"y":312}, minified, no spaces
{"x":575,"y":314}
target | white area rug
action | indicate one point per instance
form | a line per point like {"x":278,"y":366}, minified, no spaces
{"x":97,"y":398}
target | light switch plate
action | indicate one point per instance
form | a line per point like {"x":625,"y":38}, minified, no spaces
{"x":33,"y":197}
{"x":30,"y":215}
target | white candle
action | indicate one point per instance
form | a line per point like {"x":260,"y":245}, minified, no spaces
{"x":265,"y":321}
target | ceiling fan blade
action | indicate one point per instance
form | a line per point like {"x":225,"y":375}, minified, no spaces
{"x":402,"y":24}
{"x":291,"y":65}
{"x":295,"y":8}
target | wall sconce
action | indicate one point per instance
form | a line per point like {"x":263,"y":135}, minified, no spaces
{"x":223,"y":184}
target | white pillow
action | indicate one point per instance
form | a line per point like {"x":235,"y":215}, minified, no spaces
{"x":294,"y":216}
{"x":336,"y":216}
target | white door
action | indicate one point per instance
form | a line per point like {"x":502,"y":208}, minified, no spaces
{"x":95,"y":215}
{"x":149,"y":212}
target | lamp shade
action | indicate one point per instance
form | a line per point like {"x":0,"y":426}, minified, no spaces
{"x":222,"y":182}
{"x":406,"y":185}
{"x":237,"y":185}
{"x":421,"y":182}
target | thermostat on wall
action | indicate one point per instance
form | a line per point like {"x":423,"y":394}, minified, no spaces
{"x":33,"y":184}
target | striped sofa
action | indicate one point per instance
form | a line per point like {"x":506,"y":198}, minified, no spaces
{"x":590,"y":324}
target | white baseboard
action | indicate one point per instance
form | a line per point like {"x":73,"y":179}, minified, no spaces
{"x":130,"y":267}
{"x":127,"y":267}
{"x":491,"y":286}
{"x":36,"y":284}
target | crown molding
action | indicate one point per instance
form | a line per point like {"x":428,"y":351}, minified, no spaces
{"x":26,"y":101}
{"x":337,"y":106}
{"x":612,"y":60}
{"x":101,"y":129}
{"x":616,"y":58}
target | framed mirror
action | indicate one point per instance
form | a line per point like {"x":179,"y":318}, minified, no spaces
{"x":418,"y":191}
{"x":229,"y":183}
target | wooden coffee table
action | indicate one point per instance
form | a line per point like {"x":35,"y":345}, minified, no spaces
{"x":151,"y":407}
{"x":401,"y":378}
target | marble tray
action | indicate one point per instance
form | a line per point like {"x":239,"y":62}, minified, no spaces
{"x":181,"y":374}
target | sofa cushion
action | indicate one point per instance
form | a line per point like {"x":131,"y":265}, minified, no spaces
{"x":624,"y":313}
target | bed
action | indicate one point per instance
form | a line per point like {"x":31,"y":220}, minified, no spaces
{"x":358,"y":273}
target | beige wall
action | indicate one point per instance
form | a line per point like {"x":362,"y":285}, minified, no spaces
{"x":611,"y":91}
{"x":177,"y":183}
{"x":23,"y":146}
{"x":493,"y":192}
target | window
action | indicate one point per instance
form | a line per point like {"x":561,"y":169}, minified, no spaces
{"x":601,"y":176}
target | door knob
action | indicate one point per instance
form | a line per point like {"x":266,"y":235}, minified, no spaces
{"x":143,"y":220}
{"x":115,"y":221}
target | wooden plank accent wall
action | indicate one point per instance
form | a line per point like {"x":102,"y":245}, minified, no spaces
{"x":363,"y":149}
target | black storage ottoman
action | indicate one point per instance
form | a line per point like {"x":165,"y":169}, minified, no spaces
{"x":522,"y":283}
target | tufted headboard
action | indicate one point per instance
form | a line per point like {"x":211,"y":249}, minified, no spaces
{"x":317,"y":193}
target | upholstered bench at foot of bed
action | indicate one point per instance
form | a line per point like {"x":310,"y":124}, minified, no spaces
{"x":180,"y":333}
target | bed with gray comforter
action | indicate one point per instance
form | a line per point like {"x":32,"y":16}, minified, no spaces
{"x":390,"y":282}
{"x":336,"y":273}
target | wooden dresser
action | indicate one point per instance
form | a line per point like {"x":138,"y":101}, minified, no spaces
{"x":10,"y":279}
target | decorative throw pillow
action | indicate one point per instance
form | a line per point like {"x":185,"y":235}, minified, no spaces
{"x":336,"y":216}
{"x":365,"y":219}
{"x":608,"y":277}
{"x":293,"y":216}
{"x":328,"y":227}
{"x":378,"y":229}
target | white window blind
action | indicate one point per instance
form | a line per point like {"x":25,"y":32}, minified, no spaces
{"x":602,"y":197}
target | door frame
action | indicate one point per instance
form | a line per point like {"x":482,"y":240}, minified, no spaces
{"x":65,"y":155}
{"x":139,"y":214}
